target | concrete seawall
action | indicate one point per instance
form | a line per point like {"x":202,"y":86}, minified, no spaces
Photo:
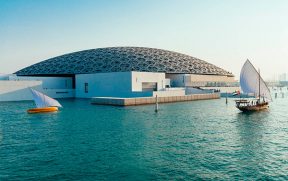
{"x":151,"y":100}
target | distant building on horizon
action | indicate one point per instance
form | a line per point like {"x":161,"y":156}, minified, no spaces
{"x":116,"y":72}
{"x":282,"y":77}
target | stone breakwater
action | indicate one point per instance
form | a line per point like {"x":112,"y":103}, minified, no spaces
{"x":151,"y":100}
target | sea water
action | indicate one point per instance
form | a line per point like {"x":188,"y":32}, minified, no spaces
{"x":183,"y":141}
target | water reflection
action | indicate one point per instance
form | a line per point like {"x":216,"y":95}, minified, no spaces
{"x":1,"y":134}
{"x":251,"y":128}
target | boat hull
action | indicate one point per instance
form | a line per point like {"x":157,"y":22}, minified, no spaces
{"x":258,"y":107}
{"x":42,"y":110}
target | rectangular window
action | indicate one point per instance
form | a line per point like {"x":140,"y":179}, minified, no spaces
{"x":61,"y":92}
{"x":149,"y":86}
{"x":86,"y":87}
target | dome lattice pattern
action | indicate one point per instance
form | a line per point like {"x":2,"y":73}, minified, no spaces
{"x":122,"y":59}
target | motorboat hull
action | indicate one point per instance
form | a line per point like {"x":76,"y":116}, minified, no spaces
{"x":42,"y":110}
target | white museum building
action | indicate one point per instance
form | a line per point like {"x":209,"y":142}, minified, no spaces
{"x":115,"y":72}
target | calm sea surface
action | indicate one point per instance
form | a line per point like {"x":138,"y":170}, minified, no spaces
{"x":188,"y":140}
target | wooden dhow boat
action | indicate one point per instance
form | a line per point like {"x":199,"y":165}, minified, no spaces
{"x":43,"y":103}
{"x":252,"y":83}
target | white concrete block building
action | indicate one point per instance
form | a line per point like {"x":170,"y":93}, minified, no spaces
{"x":119,"y":84}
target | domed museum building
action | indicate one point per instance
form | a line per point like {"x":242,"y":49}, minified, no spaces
{"x":122,"y":72}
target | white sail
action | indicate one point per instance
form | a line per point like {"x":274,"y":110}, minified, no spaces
{"x":41,"y":100}
{"x":249,"y":82}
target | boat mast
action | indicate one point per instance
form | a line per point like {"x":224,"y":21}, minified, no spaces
{"x":259,"y":85}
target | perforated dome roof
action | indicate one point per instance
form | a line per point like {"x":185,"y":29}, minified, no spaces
{"x":122,"y":59}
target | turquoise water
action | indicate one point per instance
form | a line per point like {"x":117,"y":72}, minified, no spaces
{"x":187,"y":140}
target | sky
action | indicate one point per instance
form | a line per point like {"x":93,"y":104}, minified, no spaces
{"x":223,"y":32}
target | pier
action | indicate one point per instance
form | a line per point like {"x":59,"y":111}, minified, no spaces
{"x":115,"y":101}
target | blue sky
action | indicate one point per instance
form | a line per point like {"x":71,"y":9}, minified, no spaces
{"x":224,"y":32}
